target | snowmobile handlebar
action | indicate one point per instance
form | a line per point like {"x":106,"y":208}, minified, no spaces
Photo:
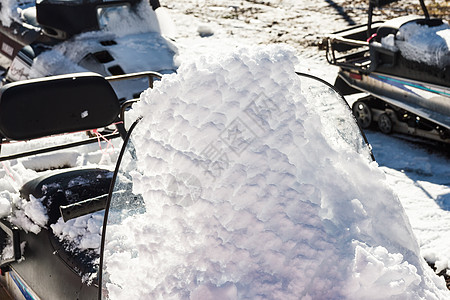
{"x":85,"y":207}
{"x":149,"y":74}
{"x":82,"y":208}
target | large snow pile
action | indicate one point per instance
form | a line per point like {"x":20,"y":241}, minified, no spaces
{"x":246,"y":198}
{"x":422,"y":43}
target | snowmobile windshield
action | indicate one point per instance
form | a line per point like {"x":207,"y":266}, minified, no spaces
{"x":136,"y":221}
{"x":335,"y":114}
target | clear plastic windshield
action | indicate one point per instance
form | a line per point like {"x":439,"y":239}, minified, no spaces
{"x":339,"y":124}
{"x":124,"y":204}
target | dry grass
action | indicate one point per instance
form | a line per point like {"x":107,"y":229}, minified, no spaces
{"x":436,"y":8}
{"x":439,"y":9}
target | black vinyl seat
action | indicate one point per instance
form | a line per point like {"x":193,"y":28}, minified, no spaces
{"x":40,"y":107}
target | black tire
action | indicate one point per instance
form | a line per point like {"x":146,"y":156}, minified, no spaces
{"x":363,"y":114}
{"x":385,"y":123}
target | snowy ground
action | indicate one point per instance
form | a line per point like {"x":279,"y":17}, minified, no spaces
{"x":420,"y":175}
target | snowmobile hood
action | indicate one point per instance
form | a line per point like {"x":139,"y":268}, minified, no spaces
{"x":108,"y":54}
{"x":145,"y":51}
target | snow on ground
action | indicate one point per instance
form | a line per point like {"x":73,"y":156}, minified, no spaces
{"x":422,"y":181}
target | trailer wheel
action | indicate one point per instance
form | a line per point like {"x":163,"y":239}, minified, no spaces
{"x":362,"y":113}
{"x":385,"y":123}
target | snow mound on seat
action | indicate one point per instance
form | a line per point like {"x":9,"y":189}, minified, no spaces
{"x":421,"y":43}
{"x":246,"y":197}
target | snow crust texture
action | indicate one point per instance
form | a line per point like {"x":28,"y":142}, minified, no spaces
{"x":246,"y":197}
{"x":82,"y":233}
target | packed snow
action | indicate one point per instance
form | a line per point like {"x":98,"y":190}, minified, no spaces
{"x":83,"y":232}
{"x":273,"y":209}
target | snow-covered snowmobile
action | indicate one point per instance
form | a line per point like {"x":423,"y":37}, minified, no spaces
{"x":54,"y":37}
{"x":404,"y":66}
{"x":38,"y":265}
{"x":44,"y":266}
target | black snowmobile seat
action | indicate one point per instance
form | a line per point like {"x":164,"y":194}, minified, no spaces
{"x":59,"y":104}
{"x":392,"y":26}
{"x":62,"y":19}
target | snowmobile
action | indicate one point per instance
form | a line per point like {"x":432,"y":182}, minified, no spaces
{"x":41,"y":265}
{"x":89,"y":103}
{"x":403,"y":65}
{"x":54,"y":37}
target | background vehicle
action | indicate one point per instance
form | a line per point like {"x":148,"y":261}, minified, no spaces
{"x":403,"y":64}
{"x":106,"y":37}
